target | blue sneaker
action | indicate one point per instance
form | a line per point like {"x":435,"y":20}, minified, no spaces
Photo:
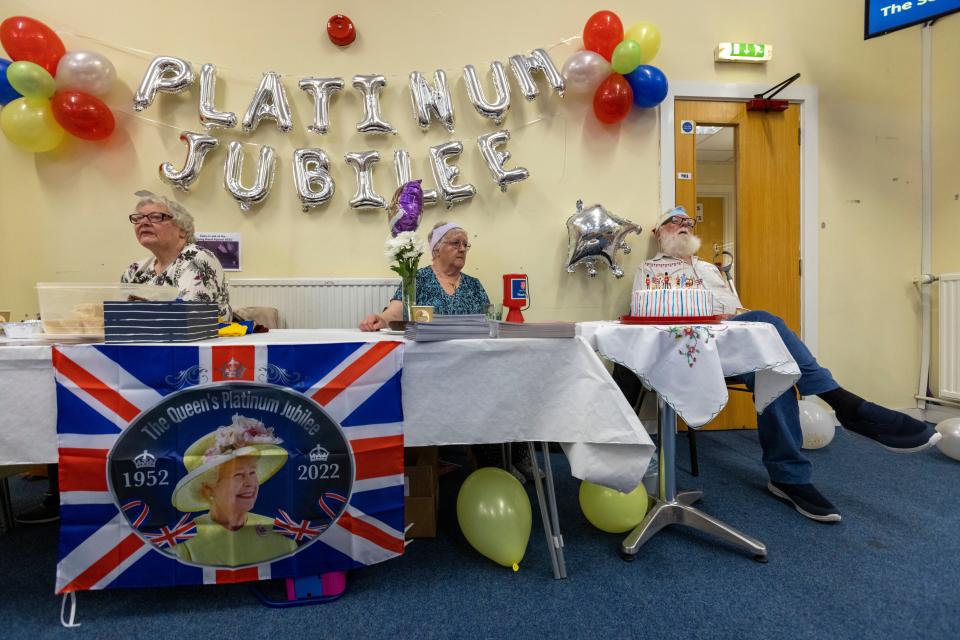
{"x":892,"y":430}
{"x":806,"y":499}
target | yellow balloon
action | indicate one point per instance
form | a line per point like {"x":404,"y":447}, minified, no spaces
{"x":495,"y":516}
{"x":29,"y":124}
{"x":612,"y":511}
{"x":647,"y":36}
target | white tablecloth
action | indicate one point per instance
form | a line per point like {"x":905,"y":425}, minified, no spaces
{"x":686,"y":365}
{"x":455,"y":392}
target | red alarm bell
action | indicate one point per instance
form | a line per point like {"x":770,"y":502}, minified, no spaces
{"x":516,"y":295}
{"x":341,"y":31}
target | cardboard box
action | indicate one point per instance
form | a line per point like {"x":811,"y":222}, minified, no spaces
{"x":420,"y":491}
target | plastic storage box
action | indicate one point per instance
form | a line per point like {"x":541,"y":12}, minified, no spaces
{"x":76,"y":308}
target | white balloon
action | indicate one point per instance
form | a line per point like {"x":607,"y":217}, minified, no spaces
{"x":86,"y":71}
{"x":817,"y":425}
{"x":949,"y":443}
{"x":584,"y":71}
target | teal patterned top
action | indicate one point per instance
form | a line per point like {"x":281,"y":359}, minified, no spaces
{"x":469,"y":297}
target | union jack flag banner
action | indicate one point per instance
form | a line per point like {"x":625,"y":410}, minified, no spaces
{"x":218,"y":464}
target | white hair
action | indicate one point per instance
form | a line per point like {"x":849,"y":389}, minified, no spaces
{"x":181,"y":217}
{"x":678,"y":245}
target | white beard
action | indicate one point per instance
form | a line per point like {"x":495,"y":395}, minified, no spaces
{"x":679,"y":245}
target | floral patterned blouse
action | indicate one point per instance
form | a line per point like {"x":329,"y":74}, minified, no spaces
{"x":469,"y":297}
{"x":196,"y":272}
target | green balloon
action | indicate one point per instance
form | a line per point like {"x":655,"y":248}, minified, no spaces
{"x":626,"y":57}
{"x":31,"y":80}
{"x":495,"y":516}
{"x":612,"y":511}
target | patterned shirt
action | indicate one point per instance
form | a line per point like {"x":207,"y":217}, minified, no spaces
{"x":469,"y":297}
{"x":196,"y":272}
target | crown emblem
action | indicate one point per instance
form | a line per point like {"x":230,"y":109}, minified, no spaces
{"x":234,"y":369}
{"x":319,"y":454}
{"x":145,"y":460}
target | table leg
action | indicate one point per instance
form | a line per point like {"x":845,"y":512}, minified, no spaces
{"x":6,"y":506}
{"x":553,"y":546}
{"x":554,"y":514}
{"x":672,"y":507}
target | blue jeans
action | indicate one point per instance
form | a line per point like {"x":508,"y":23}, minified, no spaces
{"x":779,"y":425}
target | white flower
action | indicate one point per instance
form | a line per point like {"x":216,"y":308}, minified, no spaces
{"x":405,"y":247}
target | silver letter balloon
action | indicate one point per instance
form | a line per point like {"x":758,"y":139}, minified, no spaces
{"x":311,"y":175}
{"x":497,"y":109}
{"x":401,"y":167}
{"x":210,"y":118}
{"x":373,"y":122}
{"x":321,"y":89}
{"x":596,"y":234}
{"x":269,"y":101}
{"x":362,"y":163}
{"x":165,"y":73}
{"x":198,"y":146}
{"x":246,"y":197}
{"x":429,"y":102}
{"x":444,"y":174}
{"x":524,"y":67}
{"x":495,"y":160}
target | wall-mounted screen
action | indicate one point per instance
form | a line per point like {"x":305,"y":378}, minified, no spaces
{"x":884,"y":16}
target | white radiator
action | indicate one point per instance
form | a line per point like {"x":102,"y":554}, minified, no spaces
{"x":950,"y":336}
{"x":315,"y":303}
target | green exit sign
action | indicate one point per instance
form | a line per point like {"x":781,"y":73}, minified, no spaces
{"x":743,"y":52}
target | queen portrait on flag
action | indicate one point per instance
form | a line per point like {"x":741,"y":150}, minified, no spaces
{"x":224,"y":471}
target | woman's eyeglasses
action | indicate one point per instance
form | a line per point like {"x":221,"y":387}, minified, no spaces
{"x":682,"y":221}
{"x":155,"y":217}
{"x":459,"y":245}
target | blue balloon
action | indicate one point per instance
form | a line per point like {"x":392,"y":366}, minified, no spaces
{"x":649,"y":86}
{"x":7,"y":93}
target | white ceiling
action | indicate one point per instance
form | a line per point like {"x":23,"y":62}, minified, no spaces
{"x":715,"y":144}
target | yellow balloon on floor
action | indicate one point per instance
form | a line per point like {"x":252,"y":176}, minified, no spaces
{"x":648,"y":37}
{"x":495,"y":516}
{"x":29,"y":123}
{"x":612,"y":511}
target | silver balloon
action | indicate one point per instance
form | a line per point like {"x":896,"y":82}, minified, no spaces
{"x":198,"y":146}
{"x":246,"y":197}
{"x":495,"y":160}
{"x":431,"y":101}
{"x":444,"y":174}
{"x":320,"y":89}
{"x":496,"y":110}
{"x":269,"y":101}
{"x":311,"y":175}
{"x":165,"y":73}
{"x":524,"y":68}
{"x":372,"y":122}
{"x":362,"y":163}
{"x":401,"y":166}
{"x":596,"y":234}
{"x":86,"y":71}
{"x":210,"y":118}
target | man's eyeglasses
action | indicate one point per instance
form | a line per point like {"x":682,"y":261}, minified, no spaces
{"x":459,"y":245}
{"x":155,"y":217}
{"x":682,"y":221}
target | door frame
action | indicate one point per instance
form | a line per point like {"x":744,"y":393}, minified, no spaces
{"x":804,"y":95}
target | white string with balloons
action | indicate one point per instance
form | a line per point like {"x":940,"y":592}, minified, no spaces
{"x":615,"y":65}
{"x":47,"y":91}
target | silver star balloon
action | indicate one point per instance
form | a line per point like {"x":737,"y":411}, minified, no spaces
{"x":596,"y":234}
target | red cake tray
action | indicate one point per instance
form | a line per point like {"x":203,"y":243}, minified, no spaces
{"x":670,"y":320}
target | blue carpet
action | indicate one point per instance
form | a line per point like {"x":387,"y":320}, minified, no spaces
{"x":890,"y":569}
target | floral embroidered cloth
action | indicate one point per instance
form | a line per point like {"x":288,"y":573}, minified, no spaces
{"x":196,"y":273}
{"x":470,"y":297}
{"x":687,"y":364}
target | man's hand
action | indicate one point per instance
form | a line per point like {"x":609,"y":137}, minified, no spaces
{"x":373,"y":322}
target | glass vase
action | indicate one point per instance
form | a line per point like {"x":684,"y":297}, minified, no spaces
{"x":408,"y":293}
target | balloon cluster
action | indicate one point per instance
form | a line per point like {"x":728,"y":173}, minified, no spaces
{"x":614,"y":65}
{"x":47,"y":90}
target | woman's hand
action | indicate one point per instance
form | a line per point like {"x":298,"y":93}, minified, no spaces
{"x":373,"y":322}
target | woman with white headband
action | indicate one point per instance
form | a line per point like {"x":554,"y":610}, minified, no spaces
{"x":442,"y":285}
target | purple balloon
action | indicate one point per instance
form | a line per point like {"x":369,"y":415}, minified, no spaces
{"x":406,"y":209}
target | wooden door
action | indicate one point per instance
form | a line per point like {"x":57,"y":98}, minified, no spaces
{"x":767,"y":238}
{"x":710,"y":228}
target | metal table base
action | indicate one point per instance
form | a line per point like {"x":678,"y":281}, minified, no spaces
{"x":673,"y":507}
{"x":548,"y":510}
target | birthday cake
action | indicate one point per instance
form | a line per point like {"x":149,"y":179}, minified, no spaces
{"x":671,"y":303}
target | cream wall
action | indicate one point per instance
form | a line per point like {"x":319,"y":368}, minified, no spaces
{"x":62,"y":214}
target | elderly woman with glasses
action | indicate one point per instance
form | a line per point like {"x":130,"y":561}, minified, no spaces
{"x":166,"y":229}
{"x":442,"y":285}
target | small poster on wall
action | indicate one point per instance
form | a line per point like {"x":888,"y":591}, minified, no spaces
{"x":226,"y":246}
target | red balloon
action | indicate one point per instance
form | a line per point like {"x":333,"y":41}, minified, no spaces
{"x":602,"y":33}
{"x":82,"y":115}
{"x":613,"y":99}
{"x":31,"y":40}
